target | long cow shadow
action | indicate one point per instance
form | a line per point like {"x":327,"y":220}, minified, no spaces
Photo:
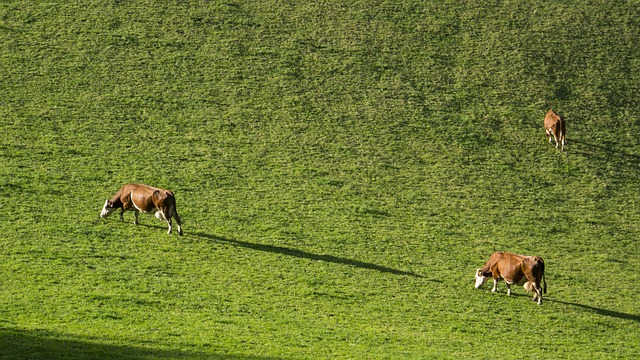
{"x":599,"y":311}
{"x":306,"y":255}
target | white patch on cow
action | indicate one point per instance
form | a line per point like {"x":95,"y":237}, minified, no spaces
{"x":480,"y":280}
{"x":160,"y":215}
{"x":134,"y":203}
{"x":528,"y":286}
{"x":106,"y":210}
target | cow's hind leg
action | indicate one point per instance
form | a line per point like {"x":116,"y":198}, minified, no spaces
{"x":136,"y":213}
{"x":178,"y":220}
{"x":167,"y":214}
{"x":538,"y":294}
{"x":170,"y":224}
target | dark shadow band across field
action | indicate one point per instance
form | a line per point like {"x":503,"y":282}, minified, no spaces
{"x":41,"y":344}
{"x":306,"y":255}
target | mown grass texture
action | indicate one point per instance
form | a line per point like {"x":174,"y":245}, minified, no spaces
{"x":342,"y":168}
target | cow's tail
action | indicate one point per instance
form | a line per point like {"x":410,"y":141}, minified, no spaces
{"x":544,"y":279}
{"x":174,"y":213}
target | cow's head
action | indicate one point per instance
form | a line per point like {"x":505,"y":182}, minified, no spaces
{"x":481,"y":278}
{"x":107,"y":209}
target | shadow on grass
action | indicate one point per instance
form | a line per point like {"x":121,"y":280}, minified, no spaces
{"x":599,"y":311}
{"x":607,"y":153}
{"x":24,"y":344}
{"x":305,"y":255}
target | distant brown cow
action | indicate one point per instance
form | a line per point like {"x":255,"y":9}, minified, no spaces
{"x":146,"y":199}
{"x":554,"y":126}
{"x":514,"y":269}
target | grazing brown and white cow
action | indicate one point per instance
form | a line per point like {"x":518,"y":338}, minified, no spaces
{"x":146,"y":199}
{"x":514,"y":269}
{"x":554,"y":126}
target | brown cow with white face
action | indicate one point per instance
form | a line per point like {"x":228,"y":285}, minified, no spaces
{"x":514,"y":269}
{"x":554,"y":126}
{"x":146,"y":199}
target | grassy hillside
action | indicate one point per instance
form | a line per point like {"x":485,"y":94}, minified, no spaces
{"x":342,"y":168}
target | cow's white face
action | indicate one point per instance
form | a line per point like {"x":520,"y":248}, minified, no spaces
{"x":106,"y":210}
{"x":480,"y":279}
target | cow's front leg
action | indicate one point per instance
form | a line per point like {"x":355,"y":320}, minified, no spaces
{"x":495,"y":285}
{"x":508,"y":289}
{"x":136,"y":212}
{"x":122,"y":214}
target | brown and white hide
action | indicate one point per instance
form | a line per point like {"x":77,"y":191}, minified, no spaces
{"x":146,"y":199}
{"x":527,"y":271}
{"x":554,"y":126}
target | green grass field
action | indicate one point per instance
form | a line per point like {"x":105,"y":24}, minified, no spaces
{"x":341,"y":168}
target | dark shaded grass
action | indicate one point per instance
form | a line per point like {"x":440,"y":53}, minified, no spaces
{"x":39,"y":344}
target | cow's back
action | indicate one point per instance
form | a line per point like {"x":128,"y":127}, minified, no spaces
{"x":555,"y":124}
{"x":551,"y":118}
{"x":146,"y":189}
